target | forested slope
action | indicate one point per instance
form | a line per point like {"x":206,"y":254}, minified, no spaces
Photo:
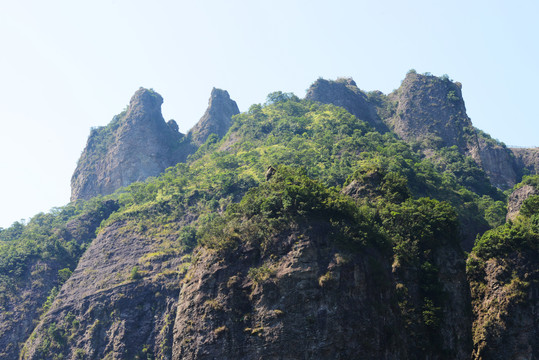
{"x":353,"y":243}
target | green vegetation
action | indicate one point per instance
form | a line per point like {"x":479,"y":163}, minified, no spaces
{"x":368,"y":191}
{"x":532,"y":180}
{"x":327,"y":142}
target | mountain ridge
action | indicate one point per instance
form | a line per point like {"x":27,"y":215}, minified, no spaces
{"x":354,"y":245}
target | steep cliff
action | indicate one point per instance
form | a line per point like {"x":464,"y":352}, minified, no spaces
{"x":431,"y":110}
{"x":503,"y":270}
{"x":345,"y":93}
{"x":118,"y":304}
{"x":34,"y":281}
{"x":217,"y":118}
{"x":527,"y":159}
{"x":496,"y":160}
{"x":137,"y":144}
{"x":295,"y":272}
{"x":517,"y":198}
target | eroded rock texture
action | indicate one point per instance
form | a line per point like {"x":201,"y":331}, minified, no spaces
{"x":136,"y":144}
{"x":217,"y":118}
{"x":431,"y":110}
{"x":345,"y":93}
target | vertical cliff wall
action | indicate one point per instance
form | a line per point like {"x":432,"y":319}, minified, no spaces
{"x":137,"y":144}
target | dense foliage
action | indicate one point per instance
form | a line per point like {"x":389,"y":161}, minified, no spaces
{"x":369,"y":189}
{"x":324,"y":140}
{"x":290,"y":197}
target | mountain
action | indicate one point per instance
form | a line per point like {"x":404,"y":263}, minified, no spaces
{"x":318,"y":228}
{"x":345,"y":93}
{"x":138,"y":143}
{"x":217,"y":118}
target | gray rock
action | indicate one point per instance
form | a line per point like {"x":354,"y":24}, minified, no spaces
{"x":217,"y":118}
{"x":527,"y":159}
{"x":517,"y":198}
{"x":431,"y":110}
{"x":345,"y":93}
{"x":137,"y":144}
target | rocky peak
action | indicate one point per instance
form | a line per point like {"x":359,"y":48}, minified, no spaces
{"x":135,"y":145}
{"x":431,"y":109}
{"x":144,"y":101}
{"x":217,"y":118}
{"x":173,"y":125}
{"x":345,"y":93}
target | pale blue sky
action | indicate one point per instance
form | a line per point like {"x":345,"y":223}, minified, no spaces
{"x":68,"y":65}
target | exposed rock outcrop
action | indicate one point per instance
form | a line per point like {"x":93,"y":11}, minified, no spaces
{"x":119,"y":303}
{"x":506,"y":325}
{"x":136,"y":144}
{"x":517,"y":198}
{"x":527,"y":159}
{"x":217,"y":118}
{"x":312,"y":303}
{"x":495,"y":159}
{"x":505,"y":294}
{"x":345,"y":93}
{"x":431,"y":110}
{"x":18,"y":314}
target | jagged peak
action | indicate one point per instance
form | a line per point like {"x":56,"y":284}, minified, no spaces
{"x":428,"y":82}
{"x":137,"y":144}
{"x":147,"y":98}
{"x":173,"y":125}
{"x":217,"y":118}
{"x":144,"y":106}
{"x":346,"y":81}
{"x":216,"y":92}
{"x":344,"y":92}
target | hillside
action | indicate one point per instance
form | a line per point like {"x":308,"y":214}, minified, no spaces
{"x":318,"y":228}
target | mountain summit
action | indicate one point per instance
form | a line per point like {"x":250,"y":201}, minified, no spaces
{"x":345,"y":93}
{"x":344,"y":225}
{"x":217,"y":118}
{"x":136,"y":144}
{"x":431,"y":110}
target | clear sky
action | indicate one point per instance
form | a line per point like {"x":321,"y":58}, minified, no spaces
{"x":66,"y":66}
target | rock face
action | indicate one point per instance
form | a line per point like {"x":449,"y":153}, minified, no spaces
{"x":217,"y":118}
{"x":119,"y":303}
{"x":506,"y":325}
{"x":345,"y":93}
{"x":504,"y":277}
{"x":527,"y":159}
{"x":300,"y":295}
{"x":137,"y":144}
{"x":18,"y":315}
{"x":312,"y":304}
{"x":496,"y":160}
{"x":431,"y":110}
{"x":517,"y":198}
